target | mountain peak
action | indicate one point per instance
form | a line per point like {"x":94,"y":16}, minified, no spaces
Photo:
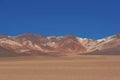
{"x":70,"y":36}
{"x":116,"y":36}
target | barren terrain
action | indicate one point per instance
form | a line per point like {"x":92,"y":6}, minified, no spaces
{"x":60,"y":68}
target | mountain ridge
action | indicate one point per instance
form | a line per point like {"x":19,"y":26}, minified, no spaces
{"x":34,"y":44}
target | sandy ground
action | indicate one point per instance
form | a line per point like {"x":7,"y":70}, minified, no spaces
{"x":61,"y":68}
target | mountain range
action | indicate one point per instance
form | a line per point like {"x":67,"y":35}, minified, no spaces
{"x":38,"y":45}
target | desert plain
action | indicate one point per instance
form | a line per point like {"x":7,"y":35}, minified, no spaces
{"x":85,"y":67}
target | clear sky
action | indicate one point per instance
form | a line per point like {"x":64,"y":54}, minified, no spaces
{"x":85,"y":18}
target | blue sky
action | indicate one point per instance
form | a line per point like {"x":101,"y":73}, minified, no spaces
{"x":85,"y":18}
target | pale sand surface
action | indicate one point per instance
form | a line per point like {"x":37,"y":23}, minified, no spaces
{"x":60,"y":68}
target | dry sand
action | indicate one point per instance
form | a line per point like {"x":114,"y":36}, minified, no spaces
{"x":60,"y":68}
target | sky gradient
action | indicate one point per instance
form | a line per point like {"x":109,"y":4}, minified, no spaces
{"x":84,"y":18}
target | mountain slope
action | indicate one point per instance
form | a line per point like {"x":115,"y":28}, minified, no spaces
{"x":110,"y":51}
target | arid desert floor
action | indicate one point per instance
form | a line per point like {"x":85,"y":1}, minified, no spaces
{"x":60,"y":68}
